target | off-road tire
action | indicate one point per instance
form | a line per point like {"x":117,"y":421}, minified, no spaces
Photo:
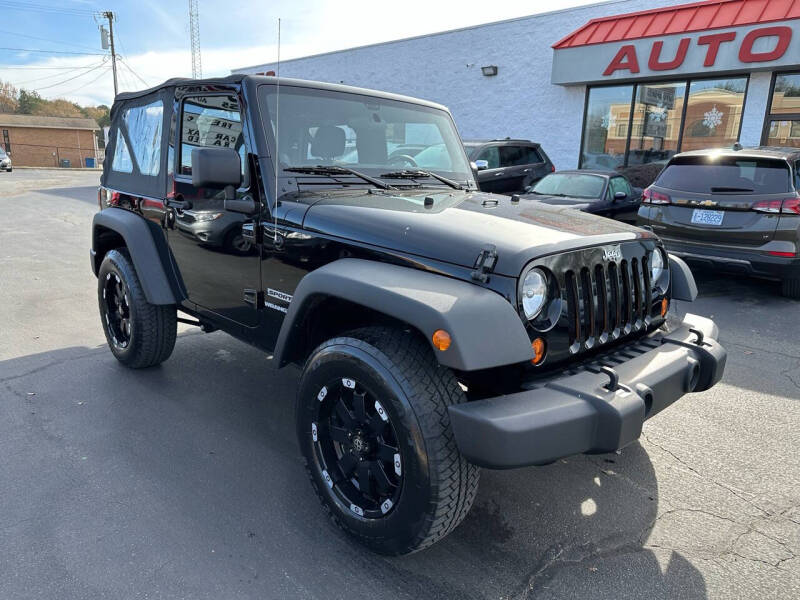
{"x":153,"y":327}
{"x":790,"y":288}
{"x":438,"y":485}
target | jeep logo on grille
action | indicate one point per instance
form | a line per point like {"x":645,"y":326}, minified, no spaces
{"x":612,"y":253}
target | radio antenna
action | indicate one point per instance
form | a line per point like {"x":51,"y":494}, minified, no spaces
{"x":277,"y":134}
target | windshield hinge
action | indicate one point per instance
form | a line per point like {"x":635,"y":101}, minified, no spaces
{"x":485,"y":263}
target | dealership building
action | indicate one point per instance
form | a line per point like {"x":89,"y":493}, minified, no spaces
{"x":612,"y":84}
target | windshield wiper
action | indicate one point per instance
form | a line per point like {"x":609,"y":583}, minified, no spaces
{"x":416,"y":174}
{"x":337,"y":170}
{"x":730,"y":189}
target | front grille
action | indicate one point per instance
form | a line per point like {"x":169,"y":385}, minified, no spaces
{"x":605,"y":301}
{"x":602,"y":299}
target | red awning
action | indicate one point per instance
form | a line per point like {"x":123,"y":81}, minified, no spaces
{"x":699,"y":16}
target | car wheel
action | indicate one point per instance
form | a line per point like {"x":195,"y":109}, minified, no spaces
{"x":790,"y":288}
{"x":139,"y":334}
{"x":235,"y":242}
{"x":374,"y":430}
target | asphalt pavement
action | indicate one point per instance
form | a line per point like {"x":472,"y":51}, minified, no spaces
{"x":184,"y":481}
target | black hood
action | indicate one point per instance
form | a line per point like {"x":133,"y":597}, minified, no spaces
{"x":459,"y":225}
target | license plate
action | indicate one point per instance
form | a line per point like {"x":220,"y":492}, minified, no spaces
{"x":707,"y":217}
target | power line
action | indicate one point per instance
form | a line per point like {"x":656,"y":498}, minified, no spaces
{"x":42,"y":39}
{"x":53,"y":51}
{"x":3,"y":68}
{"x":34,"y":7}
{"x":127,"y":66}
{"x":21,"y":83}
{"x":47,"y":87}
{"x":87,"y":84}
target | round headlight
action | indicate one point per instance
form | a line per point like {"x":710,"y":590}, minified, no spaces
{"x":657,"y":268}
{"x":533,"y":293}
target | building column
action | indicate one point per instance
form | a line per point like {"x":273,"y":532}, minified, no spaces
{"x":755,"y":107}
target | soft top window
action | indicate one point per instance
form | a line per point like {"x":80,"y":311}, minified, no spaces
{"x":726,"y":174}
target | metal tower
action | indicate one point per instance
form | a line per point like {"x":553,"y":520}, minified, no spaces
{"x":194,"y":35}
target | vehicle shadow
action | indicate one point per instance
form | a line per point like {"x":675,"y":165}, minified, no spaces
{"x":186,"y":480}
{"x":84,"y":194}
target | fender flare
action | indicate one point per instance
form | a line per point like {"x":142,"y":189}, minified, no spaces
{"x":681,"y":280}
{"x":485,"y":329}
{"x":147,"y":248}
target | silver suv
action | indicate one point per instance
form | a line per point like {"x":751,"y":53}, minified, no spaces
{"x":736,"y":209}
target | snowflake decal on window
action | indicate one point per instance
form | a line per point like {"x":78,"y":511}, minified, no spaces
{"x":713,"y":118}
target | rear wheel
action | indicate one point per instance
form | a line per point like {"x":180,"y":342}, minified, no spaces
{"x":138,"y":333}
{"x":790,"y":288}
{"x":374,"y":429}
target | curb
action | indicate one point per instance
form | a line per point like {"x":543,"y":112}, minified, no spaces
{"x":66,"y":170}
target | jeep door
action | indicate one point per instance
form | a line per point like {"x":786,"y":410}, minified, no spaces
{"x":219,"y":265}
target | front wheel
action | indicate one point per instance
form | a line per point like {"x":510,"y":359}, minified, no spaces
{"x":374,"y":430}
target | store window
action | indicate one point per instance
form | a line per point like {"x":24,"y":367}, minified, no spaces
{"x":656,"y":122}
{"x":605,"y":130}
{"x":651,"y":122}
{"x":783,"y":122}
{"x":713,"y":113}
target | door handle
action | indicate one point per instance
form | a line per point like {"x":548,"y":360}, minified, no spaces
{"x":526,"y":170}
{"x":178,"y":204}
{"x":499,"y":174}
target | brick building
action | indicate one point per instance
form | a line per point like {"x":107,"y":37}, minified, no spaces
{"x":35,"y":141}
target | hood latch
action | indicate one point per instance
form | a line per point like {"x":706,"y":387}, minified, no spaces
{"x":485,"y":263}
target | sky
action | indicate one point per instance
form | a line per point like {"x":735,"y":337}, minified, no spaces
{"x":54,"y":47}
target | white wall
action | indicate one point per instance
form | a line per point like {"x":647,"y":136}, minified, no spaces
{"x":519,"y":102}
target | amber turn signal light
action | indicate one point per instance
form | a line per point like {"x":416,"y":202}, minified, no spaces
{"x":538,"y":351}
{"x":664,"y":307}
{"x":441,"y":340}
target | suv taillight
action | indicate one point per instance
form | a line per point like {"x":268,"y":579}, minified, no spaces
{"x":650,"y":196}
{"x":552,"y":168}
{"x":787,"y":206}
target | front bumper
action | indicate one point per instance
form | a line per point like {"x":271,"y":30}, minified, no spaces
{"x":582,"y":412}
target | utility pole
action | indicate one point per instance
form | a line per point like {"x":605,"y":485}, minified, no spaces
{"x":110,"y":16}
{"x":194,"y":36}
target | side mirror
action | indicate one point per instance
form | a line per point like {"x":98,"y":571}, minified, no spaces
{"x":481,"y":164}
{"x":620,"y":196}
{"x":221,"y":168}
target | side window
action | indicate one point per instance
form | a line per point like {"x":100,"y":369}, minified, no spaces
{"x":797,"y":175}
{"x":532,"y":156}
{"x":143,"y":124}
{"x":511,"y":156}
{"x":490,"y":155}
{"x":122,"y":156}
{"x":620,"y":184}
{"x":211,"y":121}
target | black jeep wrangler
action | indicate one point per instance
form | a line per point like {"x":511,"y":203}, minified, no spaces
{"x":439,"y":329}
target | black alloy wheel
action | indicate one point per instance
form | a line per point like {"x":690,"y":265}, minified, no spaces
{"x":374,"y":429}
{"x":357,"y":448}
{"x":139,"y":334}
{"x":117,"y":313}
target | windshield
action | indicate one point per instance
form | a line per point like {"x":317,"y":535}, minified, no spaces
{"x":2,"y":153}
{"x":576,"y":185}
{"x":371,"y":135}
{"x":726,"y":174}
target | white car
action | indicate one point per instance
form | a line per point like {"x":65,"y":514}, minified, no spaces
{"x":5,"y":161}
